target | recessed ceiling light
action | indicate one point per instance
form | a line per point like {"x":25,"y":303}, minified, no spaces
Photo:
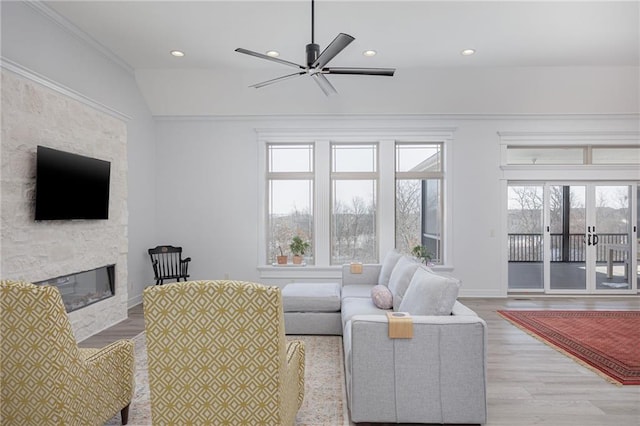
{"x":177,"y":53}
{"x":369,"y":53}
{"x":273,"y":53}
{"x":468,"y":52}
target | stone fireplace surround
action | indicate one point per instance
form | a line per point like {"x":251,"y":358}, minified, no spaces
{"x":37,"y":111}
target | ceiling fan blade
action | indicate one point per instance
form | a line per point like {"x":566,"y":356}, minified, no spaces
{"x":276,"y":80}
{"x":360,"y":71}
{"x":269,"y":58}
{"x":324,"y":84}
{"x":335,"y":47}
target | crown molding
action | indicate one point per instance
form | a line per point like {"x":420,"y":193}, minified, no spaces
{"x":403,"y":133}
{"x":398,"y":117}
{"x":24,"y":72}
{"x":80,"y":34}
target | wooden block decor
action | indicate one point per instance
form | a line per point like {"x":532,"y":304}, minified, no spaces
{"x":400,"y":325}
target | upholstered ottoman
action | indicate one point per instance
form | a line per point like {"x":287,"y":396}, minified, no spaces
{"x":312,"y":308}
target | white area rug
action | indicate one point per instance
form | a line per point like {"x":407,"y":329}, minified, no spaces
{"x":324,"y":400}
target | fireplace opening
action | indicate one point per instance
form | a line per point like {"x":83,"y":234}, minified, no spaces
{"x":84,"y":288}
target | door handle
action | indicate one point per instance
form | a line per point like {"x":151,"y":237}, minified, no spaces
{"x":589,"y":240}
{"x":595,"y":239}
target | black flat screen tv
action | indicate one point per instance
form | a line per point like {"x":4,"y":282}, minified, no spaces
{"x":71,"y":186}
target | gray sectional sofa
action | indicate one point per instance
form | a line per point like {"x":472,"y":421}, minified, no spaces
{"x":437,"y":376}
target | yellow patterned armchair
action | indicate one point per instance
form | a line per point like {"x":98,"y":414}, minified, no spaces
{"x":45,"y":378}
{"x":218,"y":355}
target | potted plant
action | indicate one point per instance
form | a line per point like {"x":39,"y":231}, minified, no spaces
{"x":298,"y":248}
{"x":421,"y":252}
{"x":282,"y":259}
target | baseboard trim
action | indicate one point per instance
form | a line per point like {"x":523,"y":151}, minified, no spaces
{"x":134,"y":301}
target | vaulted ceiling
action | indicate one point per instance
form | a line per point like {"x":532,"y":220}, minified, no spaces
{"x":408,"y":35}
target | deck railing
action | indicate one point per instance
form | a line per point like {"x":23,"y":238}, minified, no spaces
{"x":529,"y":247}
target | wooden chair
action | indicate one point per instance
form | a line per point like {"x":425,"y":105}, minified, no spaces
{"x":168,"y":263}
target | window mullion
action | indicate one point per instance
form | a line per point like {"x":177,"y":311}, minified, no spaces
{"x":289,"y":176}
{"x":386,"y":198}
{"x":322,"y":203}
{"x":354,"y":175}
{"x":419,"y":175}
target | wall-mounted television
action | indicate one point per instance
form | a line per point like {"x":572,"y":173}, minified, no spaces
{"x":71,"y":186}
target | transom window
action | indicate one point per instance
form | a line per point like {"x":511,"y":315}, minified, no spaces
{"x":573,"y":154}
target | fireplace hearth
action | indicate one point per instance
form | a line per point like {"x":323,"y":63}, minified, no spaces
{"x":84,"y":288}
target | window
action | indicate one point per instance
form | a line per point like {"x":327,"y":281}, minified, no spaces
{"x":290,"y":203}
{"x":419,"y":185}
{"x":566,"y":155}
{"x":352,"y":194}
{"x":353,"y":200}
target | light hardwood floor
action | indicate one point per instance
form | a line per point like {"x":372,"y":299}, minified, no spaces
{"x":529,"y":383}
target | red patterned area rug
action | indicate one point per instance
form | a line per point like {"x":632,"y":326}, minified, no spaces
{"x":606,"y":341}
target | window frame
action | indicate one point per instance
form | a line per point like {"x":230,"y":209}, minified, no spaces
{"x":271,"y":176}
{"x":424,"y":176}
{"x":335,"y":176}
{"x":385,"y":227}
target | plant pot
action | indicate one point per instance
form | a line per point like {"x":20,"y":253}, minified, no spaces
{"x":297,"y":260}
{"x":282,"y":260}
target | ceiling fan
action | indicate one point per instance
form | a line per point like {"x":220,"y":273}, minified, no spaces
{"x":316,"y":62}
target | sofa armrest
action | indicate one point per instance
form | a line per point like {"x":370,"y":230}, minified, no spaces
{"x":369,"y":275}
{"x":438,"y":376}
{"x":461,"y":310}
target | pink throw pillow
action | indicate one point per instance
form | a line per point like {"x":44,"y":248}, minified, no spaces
{"x":382,"y":297}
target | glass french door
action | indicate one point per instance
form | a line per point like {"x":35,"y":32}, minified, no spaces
{"x":567,"y":236}
{"x":613,"y":237}
{"x":573,"y":237}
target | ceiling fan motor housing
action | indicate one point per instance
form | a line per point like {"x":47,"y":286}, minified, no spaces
{"x":313,"y":51}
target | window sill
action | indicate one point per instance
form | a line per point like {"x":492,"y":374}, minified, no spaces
{"x":334,"y":272}
{"x":442,"y":268}
{"x":302,"y":272}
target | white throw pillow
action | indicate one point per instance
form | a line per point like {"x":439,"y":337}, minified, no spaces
{"x":381,"y":296}
{"x":430,"y":294}
{"x":389,"y":262}
{"x":400,"y":279}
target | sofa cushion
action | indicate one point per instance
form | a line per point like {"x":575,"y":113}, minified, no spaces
{"x":400,"y":278}
{"x":311,"y":297}
{"x":430,"y":294}
{"x":357,"y":290}
{"x":359,"y":306}
{"x":389,"y":262}
{"x":381,"y":297}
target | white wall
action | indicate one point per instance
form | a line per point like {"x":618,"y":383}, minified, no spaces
{"x":550,"y":90}
{"x":209,"y":199}
{"x":45,"y":46}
